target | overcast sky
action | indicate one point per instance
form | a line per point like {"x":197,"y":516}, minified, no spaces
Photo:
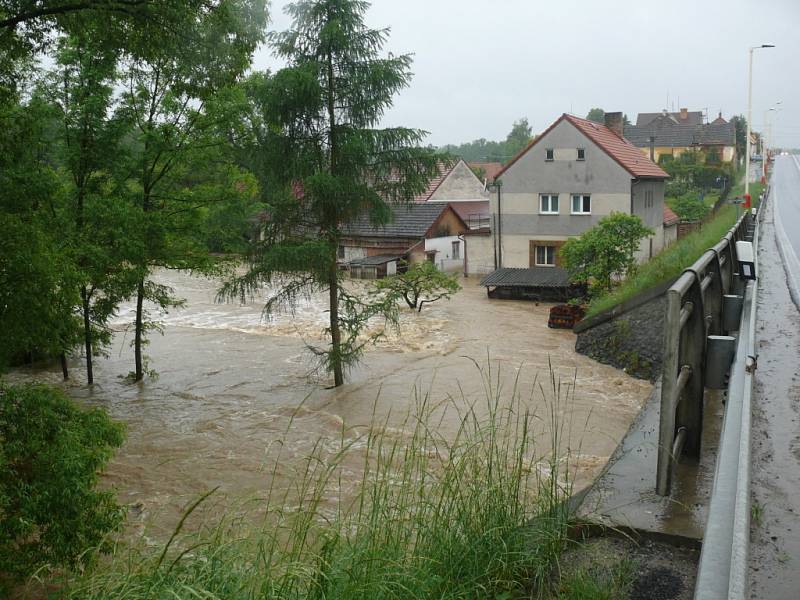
{"x":478,"y":66}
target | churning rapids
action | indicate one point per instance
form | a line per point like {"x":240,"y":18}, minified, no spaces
{"x":229,"y":382}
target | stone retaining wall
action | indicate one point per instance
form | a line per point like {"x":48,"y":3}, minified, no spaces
{"x":632,"y":340}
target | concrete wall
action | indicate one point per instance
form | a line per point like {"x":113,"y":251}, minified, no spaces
{"x":670,"y":234}
{"x":480,"y":254}
{"x":460,"y":184}
{"x":648,"y":204}
{"x":353,"y":253}
{"x":443,"y":247}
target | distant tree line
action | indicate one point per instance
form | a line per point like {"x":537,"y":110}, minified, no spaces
{"x":483,"y":150}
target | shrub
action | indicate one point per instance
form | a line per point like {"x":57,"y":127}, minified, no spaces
{"x":50,"y":455}
{"x":605,"y":252}
{"x":689,"y":207}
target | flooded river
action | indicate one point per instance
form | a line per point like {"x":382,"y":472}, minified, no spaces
{"x":229,"y":382}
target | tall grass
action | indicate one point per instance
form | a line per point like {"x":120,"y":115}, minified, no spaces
{"x":476,"y":514}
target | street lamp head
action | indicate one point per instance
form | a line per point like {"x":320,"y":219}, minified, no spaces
{"x":767,"y":46}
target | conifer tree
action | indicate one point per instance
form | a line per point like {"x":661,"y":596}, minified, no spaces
{"x":326,"y":162}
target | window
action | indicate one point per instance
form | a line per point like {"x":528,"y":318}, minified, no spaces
{"x":581,"y":154}
{"x":456,"y":250}
{"x":648,"y":199}
{"x":340,"y":252}
{"x":545,"y":256}
{"x":581,"y":204}
{"x":548,"y":154}
{"x":548,"y":204}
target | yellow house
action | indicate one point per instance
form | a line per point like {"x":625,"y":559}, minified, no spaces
{"x":672,"y":134}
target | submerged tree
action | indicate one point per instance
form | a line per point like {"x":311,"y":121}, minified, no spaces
{"x":325,"y":162}
{"x":93,"y":222}
{"x":171,"y":103}
{"x":421,"y":284}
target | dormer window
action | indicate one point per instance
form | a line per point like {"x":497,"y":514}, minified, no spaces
{"x":581,"y":154}
{"x":548,"y":154}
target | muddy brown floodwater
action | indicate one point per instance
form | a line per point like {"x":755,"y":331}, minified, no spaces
{"x":229,"y":382}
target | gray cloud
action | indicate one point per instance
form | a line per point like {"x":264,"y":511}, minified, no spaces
{"x":480,"y":65}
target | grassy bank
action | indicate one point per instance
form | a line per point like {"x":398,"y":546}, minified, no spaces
{"x":669,"y":263}
{"x":680,"y":255}
{"x":474,"y":516}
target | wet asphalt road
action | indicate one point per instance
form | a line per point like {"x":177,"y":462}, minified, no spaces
{"x":775,"y":523}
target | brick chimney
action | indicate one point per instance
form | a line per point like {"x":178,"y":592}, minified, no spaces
{"x":684,"y":114}
{"x":613,"y":120}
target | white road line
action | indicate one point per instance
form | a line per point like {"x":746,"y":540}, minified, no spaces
{"x":785,"y":248}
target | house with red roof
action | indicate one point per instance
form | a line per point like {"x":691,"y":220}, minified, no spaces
{"x":563,"y":183}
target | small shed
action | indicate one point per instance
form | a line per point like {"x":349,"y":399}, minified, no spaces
{"x":374,"y":267}
{"x":546,"y":284}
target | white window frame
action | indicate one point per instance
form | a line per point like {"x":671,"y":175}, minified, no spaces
{"x":551,"y":251}
{"x":455,"y":250}
{"x":582,"y":210}
{"x":550,"y":210}
{"x":552,"y":154}
{"x":578,"y":154}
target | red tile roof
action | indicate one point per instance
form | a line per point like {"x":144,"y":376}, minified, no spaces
{"x":670,"y":218}
{"x":621,"y":150}
{"x":473,"y":209}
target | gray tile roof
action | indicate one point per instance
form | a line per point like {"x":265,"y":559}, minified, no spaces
{"x":693,"y":117}
{"x":671,"y":135}
{"x":408,"y":221}
{"x":532,"y":277}
{"x":375,"y":260}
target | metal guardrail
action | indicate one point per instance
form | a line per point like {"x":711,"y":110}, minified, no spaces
{"x":701,"y":303}
{"x":723,"y":568}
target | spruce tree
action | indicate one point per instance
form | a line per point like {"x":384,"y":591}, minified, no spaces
{"x":325,"y":162}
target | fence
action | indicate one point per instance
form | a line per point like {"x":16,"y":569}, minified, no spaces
{"x":702,"y":302}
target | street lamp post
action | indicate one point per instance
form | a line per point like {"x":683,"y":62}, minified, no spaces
{"x":750,"y":115}
{"x":767,"y":137}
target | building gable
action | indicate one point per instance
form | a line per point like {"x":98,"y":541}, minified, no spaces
{"x":459,"y":184}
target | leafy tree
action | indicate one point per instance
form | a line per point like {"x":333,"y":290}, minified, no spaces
{"x":518,"y":137}
{"x":605,"y":252}
{"x":740,"y":128}
{"x":315,"y":125}
{"x":28,"y":27}
{"x":51,"y":453}
{"x":421,"y":284}
{"x":37,"y":277}
{"x":597,"y":115}
{"x":173,"y":98}
{"x":93,"y":222}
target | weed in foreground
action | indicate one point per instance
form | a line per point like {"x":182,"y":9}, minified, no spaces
{"x":471,"y":515}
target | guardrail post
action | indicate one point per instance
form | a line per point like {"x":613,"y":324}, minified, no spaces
{"x":712,"y":296}
{"x":731,"y":312}
{"x":672,"y":328}
{"x":692,"y":349}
